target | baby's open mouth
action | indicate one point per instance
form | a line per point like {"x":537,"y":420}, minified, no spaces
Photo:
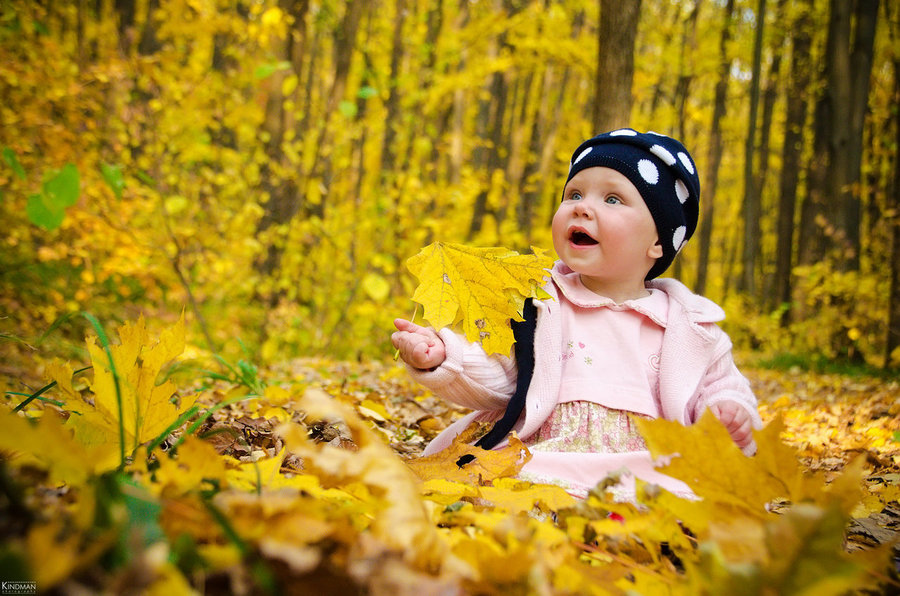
{"x":581,"y":238}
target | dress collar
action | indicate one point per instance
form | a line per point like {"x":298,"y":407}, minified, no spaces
{"x":655,"y":306}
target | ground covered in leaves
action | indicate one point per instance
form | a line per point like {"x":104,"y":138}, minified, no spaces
{"x":305,"y":478}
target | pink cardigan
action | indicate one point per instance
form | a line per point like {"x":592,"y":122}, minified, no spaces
{"x":696,"y":368}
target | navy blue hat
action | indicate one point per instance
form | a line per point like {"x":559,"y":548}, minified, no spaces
{"x":662,"y":171}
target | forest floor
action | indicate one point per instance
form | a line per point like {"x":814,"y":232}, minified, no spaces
{"x":828,"y":421}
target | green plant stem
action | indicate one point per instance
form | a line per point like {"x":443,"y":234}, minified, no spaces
{"x":196,"y":424}
{"x":37,"y":394}
{"x":181,"y":420}
{"x":104,"y":341}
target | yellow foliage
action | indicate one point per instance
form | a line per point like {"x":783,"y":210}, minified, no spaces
{"x":49,"y":445}
{"x":487,"y":465}
{"x":129,"y":382}
{"x":55,"y":552}
{"x":196,"y":464}
{"x":314,"y":510}
{"x":477,"y":287}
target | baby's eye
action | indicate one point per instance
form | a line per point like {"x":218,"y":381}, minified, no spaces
{"x":575,"y":196}
{"x":613,"y":200}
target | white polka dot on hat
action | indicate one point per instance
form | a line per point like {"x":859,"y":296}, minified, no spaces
{"x":662,"y":170}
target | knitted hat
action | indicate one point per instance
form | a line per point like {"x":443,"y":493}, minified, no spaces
{"x":662,"y":171}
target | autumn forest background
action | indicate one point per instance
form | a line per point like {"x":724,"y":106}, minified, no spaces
{"x":264,"y":168}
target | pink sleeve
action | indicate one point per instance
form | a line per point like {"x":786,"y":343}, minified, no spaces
{"x":724,"y":382}
{"x":468,"y":376}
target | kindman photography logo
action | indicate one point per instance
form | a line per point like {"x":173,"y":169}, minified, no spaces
{"x":8,"y":587}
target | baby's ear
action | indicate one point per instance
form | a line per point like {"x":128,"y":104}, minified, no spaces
{"x":655,"y":251}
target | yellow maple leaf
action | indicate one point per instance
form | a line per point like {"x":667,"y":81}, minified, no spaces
{"x":54,"y":551}
{"x":746,"y":483}
{"x":61,"y":372}
{"x":729,"y":477}
{"x":517,"y":496}
{"x":195,"y":463}
{"x":488,"y":464}
{"x":445,"y":492}
{"x":733,"y":520}
{"x":801,"y":553}
{"x":48,"y":445}
{"x":483,"y":288}
{"x":147,"y":408}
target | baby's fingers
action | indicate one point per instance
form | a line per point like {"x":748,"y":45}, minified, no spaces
{"x":410,"y":327}
{"x":743,"y":434}
{"x":725,"y":415}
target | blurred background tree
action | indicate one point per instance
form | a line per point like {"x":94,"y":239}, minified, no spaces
{"x":268,"y":165}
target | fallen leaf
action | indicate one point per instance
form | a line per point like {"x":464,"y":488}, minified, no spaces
{"x":146,"y":408}
{"x":49,"y":445}
{"x":488,"y":464}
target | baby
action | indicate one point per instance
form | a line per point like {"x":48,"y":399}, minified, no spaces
{"x":613,"y":342}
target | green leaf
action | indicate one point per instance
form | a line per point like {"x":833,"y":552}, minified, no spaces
{"x":62,"y":189}
{"x":348,"y":109}
{"x":367,"y":92}
{"x":113,"y":176}
{"x":9,"y":156}
{"x":44,"y":215}
{"x":266,"y":70}
{"x":143,"y":512}
{"x":146,"y":179}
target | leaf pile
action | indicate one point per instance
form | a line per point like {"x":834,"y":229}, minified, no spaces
{"x":304,"y":479}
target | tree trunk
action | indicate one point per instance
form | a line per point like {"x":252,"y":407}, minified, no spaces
{"x":714,"y":158}
{"x":861,"y":58}
{"x":149,"y":44}
{"x":393,"y":102}
{"x":792,"y":152}
{"x":685,"y":72}
{"x":487,"y":155}
{"x":492,"y":114}
{"x":893,"y":205}
{"x":840,"y":111}
{"x":615,"y":63}
{"x":125,"y":10}
{"x":284,"y":202}
{"x":529,"y":184}
{"x":769,"y":96}
{"x":344,"y":45}
{"x":751,"y":192}
{"x":687,"y":50}
{"x":80,"y":49}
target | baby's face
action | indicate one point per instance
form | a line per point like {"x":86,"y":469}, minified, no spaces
{"x":604,"y":231}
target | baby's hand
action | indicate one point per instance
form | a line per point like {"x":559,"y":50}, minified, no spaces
{"x":420,"y":347}
{"x":736,"y":419}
